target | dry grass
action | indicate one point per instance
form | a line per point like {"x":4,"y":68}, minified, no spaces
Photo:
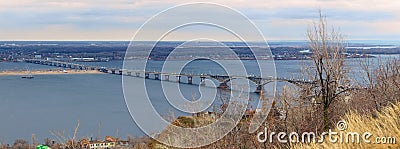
{"x":383,"y":124}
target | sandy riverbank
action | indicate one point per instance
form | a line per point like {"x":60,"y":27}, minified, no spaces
{"x":49,"y":72}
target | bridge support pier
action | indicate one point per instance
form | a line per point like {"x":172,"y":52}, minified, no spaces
{"x":137,"y":74}
{"x":259,"y":89}
{"x":166,"y":77}
{"x":223,"y":86}
{"x":190,"y":80}
{"x":202,"y":81}
{"x":112,"y":71}
{"x":120,"y":72}
{"x":178,"y":79}
{"x":156,"y":76}
{"x":129,"y":73}
{"x":146,"y":75}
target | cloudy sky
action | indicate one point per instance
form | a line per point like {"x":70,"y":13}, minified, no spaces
{"x":120,"y":19}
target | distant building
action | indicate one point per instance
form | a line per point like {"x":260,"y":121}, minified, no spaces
{"x":83,"y":59}
{"x":56,"y":59}
{"x":206,"y":114}
{"x":108,"y":143}
{"x":101,"y":145}
{"x":37,"y":56}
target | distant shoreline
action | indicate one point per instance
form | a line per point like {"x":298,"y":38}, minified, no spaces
{"x":47,"y":72}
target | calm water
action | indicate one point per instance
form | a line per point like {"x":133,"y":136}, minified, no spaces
{"x":55,"y":102}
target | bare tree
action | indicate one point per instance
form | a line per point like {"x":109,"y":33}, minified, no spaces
{"x":67,"y":142}
{"x":328,"y":72}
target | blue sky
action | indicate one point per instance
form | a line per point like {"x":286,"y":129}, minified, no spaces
{"x":120,"y":19}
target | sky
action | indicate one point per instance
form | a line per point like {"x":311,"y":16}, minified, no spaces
{"x":120,"y":19}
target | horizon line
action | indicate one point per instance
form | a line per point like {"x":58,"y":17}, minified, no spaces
{"x":294,"y":40}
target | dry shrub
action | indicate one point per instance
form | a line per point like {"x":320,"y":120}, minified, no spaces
{"x":20,"y":144}
{"x":238,"y":138}
{"x":383,"y":87}
{"x":383,"y":124}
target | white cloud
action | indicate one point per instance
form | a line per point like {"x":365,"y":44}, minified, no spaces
{"x":285,"y":19}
